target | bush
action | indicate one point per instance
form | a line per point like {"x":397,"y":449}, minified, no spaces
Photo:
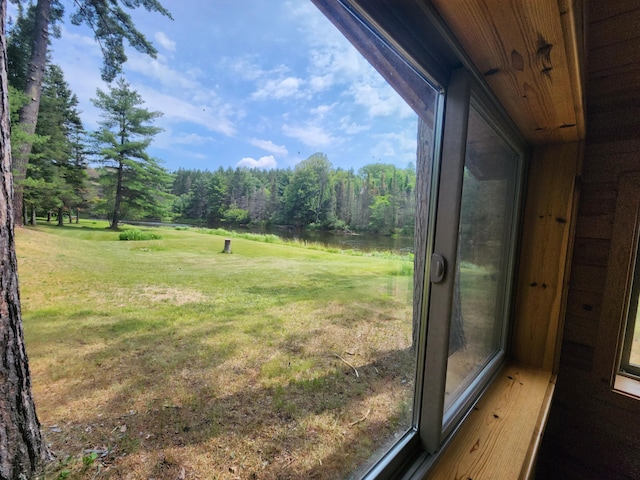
{"x":135,"y":234}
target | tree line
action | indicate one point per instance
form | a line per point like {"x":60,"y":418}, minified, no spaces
{"x":378,"y":198}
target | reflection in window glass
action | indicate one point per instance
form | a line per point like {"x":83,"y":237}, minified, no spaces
{"x":486,"y":222}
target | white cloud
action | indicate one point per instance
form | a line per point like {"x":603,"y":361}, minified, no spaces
{"x":351,"y":128}
{"x":214,"y":117}
{"x":311,"y":135}
{"x":321,"y":110}
{"x":269,"y":146}
{"x":158,"y":69}
{"x":190,"y":139}
{"x":267,"y":162}
{"x":399,"y":146}
{"x":278,"y":89}
{"x":380,"y":101}
{"x":165,"y":41}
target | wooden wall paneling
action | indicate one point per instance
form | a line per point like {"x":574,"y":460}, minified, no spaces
{"x":612,"y":30}
{"x":594,"y":226}
{"x":580,"y":330}
{"x":591,"y":251}
{"x":591,"y":428}
{"x":600,"y":10}
{"x":577,"y":355}
{"x":602,"y":59}
{"x":614,"y":85}
{"x":615,"y":125}
{"x":520,"y":49}
{"x":585,"y":305}
{"x":597,"y":198}
{"x":542,"y":277}
{"x":588,"y":278}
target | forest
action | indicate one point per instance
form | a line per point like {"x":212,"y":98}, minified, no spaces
{"x":71,"y":172}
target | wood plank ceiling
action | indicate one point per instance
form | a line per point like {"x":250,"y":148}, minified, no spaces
{"x":529,"y":53}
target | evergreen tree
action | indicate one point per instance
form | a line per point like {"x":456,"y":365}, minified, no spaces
{"x":56,"y":177}
{"x":111,"y":25}
{"x":137,"y":182}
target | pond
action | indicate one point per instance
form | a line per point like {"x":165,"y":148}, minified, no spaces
{"x":359,"y":241}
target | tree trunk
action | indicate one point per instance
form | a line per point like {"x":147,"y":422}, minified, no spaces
{"x":22,"y":447}
{"x":423,"y":192}
{"x":60,"y":217}
{"x":116,"y":208}
{"x":33,"y":216}
{"x":29,"y":113}
{"x":77,"y":215}
{"x":70,"y":217}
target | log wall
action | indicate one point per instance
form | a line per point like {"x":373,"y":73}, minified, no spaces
{"x":594,"y":433}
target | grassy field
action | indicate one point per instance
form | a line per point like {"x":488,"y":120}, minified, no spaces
{"x":169,"y":359}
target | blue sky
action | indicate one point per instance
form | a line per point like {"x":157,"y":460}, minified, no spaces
{"x":257,"y":83}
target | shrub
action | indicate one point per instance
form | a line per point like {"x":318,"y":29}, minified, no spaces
{"x":135,"y":234}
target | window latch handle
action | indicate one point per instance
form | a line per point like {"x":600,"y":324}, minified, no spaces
{"x":438,"y":268}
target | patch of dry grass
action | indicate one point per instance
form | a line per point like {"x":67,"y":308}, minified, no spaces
{"x":169,"y":359}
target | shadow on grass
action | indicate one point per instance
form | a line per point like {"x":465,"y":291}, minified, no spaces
{"x":321,"y":426}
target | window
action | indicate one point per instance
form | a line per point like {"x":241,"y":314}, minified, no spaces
{"x":630,"y":359}
{"x":620,"y":351}
{"x":469,"y":172}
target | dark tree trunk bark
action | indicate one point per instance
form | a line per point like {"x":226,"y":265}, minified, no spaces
{"x":423,"y":192}
{"x":60,"y":217}
{"x":29,"y":113}
{"x":116,"y":209}
{"x":48,"y":216}
{"x":77,"y":215}
{"x":22,"y":447}
{"x":33,"y":220}
{"x":70,"y":217}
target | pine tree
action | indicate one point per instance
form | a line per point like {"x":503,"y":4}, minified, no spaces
{"x":137,"y":181}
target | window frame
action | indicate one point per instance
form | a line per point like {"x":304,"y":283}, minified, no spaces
{"x":617,"y":299}
{"x":443,"y":66}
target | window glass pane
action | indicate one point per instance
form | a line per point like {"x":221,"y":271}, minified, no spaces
{"x":482,"y":266}
{"x":630,"y":363}
{"x":634,"y":355}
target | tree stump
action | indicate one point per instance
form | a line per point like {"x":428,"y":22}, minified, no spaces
{"x":227,"y":245}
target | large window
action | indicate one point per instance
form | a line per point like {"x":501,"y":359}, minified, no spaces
{"x":469,"y":171}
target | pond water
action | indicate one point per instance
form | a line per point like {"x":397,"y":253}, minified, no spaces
{"x":361,"y":241}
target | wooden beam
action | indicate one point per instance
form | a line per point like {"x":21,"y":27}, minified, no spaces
{"x":530,"y":55}
{"x":550,"y":208}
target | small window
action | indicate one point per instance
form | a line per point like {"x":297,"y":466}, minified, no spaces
{"x":620,"y":349}
{"x":630,"y":360}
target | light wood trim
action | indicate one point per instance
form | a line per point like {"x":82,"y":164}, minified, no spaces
{"x":500,"y":438}
{"x":547,"y":233}
{"x":615,"y":300}
{"x":529,"y":53}
{"x":627,"y":386}
{"x":573,"y":27}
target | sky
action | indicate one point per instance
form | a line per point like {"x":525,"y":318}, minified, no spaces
{"x":254,"y":83}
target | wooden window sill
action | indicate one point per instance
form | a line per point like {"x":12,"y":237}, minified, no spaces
{"x":627,"y":386}
{"x":501,"y":436}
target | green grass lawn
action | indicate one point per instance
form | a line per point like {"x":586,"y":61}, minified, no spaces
{"x":169,"y":359}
